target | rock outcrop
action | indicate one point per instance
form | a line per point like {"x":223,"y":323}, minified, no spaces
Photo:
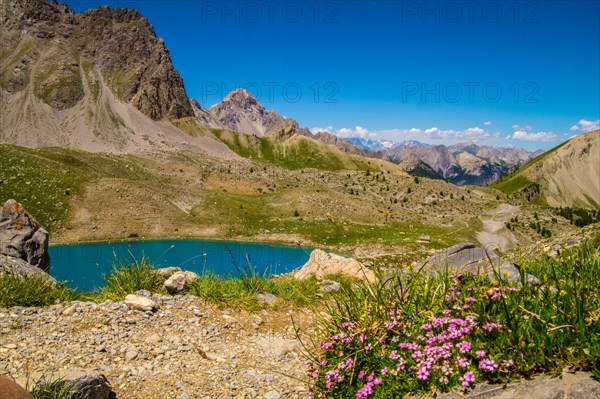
{"x":322,"y":264}
{"x":22,"y":237}
{"x":20,"y":268}
{"x":467,"y":258}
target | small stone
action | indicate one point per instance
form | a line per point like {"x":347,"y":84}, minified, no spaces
{"x":273,"y":395}
{"x":167,"y":272}
{"x":329,"y":286}
{"x":70,"y":310}
{"x":266,"y":298}
{"x":139,"y":302}
{"x":176,"y":283}
{"x":131,"y":355}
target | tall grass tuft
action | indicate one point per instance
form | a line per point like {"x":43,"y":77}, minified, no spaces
{"x":127,"y":278}
{"x":56,"y":389}
{"x":31,"y":291}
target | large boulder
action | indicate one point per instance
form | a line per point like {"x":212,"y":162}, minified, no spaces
{"x":11,"y":390}
{"x":322,"y":264}
{"x":22,"y":237}
{"x":19,"y":268}
{"x":467,"y":258}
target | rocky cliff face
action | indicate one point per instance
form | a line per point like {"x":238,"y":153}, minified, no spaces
{"x":59,"y":55}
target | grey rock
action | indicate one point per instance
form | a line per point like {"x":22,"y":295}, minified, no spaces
{"x":20,"y":268}
{"x":176,"y":283}
{"x":329,"y":286}
{"x":467,"y":258}
{"x":139,"y":302}
{"x":168,"y":271}
{"x":577,"y":385}
{"x":22,"y":237}
{"x":144,"y":293}
{"x":131,"y":355}
{"x":266,"y":298}
{"x":424,"y":239}
{"x":91,"y":386}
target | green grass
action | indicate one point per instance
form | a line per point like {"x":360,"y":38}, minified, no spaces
{"x":237,"y":292}
{"x":242,"y":292}
{"x":249,"y":215}
{"x":512,"y":185}
{"x":544,"y":328}
{"x":127,"y":278}
{"x":31,"y":291}
{"x":67,"y":88}
{"x":44,"y":179}
{"x":56,"y":389}
{"x":294,"y":153}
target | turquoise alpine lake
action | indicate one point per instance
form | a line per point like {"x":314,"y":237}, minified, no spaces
{"x":82,"y":266}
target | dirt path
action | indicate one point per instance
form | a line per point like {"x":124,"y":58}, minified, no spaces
{"x":494,"y":233}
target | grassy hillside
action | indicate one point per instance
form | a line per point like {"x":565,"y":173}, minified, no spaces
{"x":298,"y":152}
{"x":564,"y":176}
{"x":44,"y":180}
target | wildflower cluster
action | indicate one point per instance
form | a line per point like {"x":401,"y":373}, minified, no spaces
{"x":406,"y":353}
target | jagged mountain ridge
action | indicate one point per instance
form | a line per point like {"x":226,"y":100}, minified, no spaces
{"x":464,"y":163}
{"x":241,"y":112}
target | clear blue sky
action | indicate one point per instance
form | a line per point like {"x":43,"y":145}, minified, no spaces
{"x":499,"y":72}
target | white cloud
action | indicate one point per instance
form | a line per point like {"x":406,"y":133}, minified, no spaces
{"x":488,"y":123}
{"x":435,"y":133}
{"x":538,"y":136}
{"x":358,"y":131}
{"x":585,"y":126}
{"x":527,"y":128}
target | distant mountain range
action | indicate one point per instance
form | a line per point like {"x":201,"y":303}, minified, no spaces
{"x":102,"y":81}
{"x":461,"y":164}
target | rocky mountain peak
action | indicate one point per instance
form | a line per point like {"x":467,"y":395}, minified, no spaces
{"x":240,"y":111}
{"x":242,"y":98}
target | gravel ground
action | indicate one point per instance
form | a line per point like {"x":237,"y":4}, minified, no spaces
{"x":186,"y":349}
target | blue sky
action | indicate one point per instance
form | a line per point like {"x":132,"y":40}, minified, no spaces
{"x":522,"y":73}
